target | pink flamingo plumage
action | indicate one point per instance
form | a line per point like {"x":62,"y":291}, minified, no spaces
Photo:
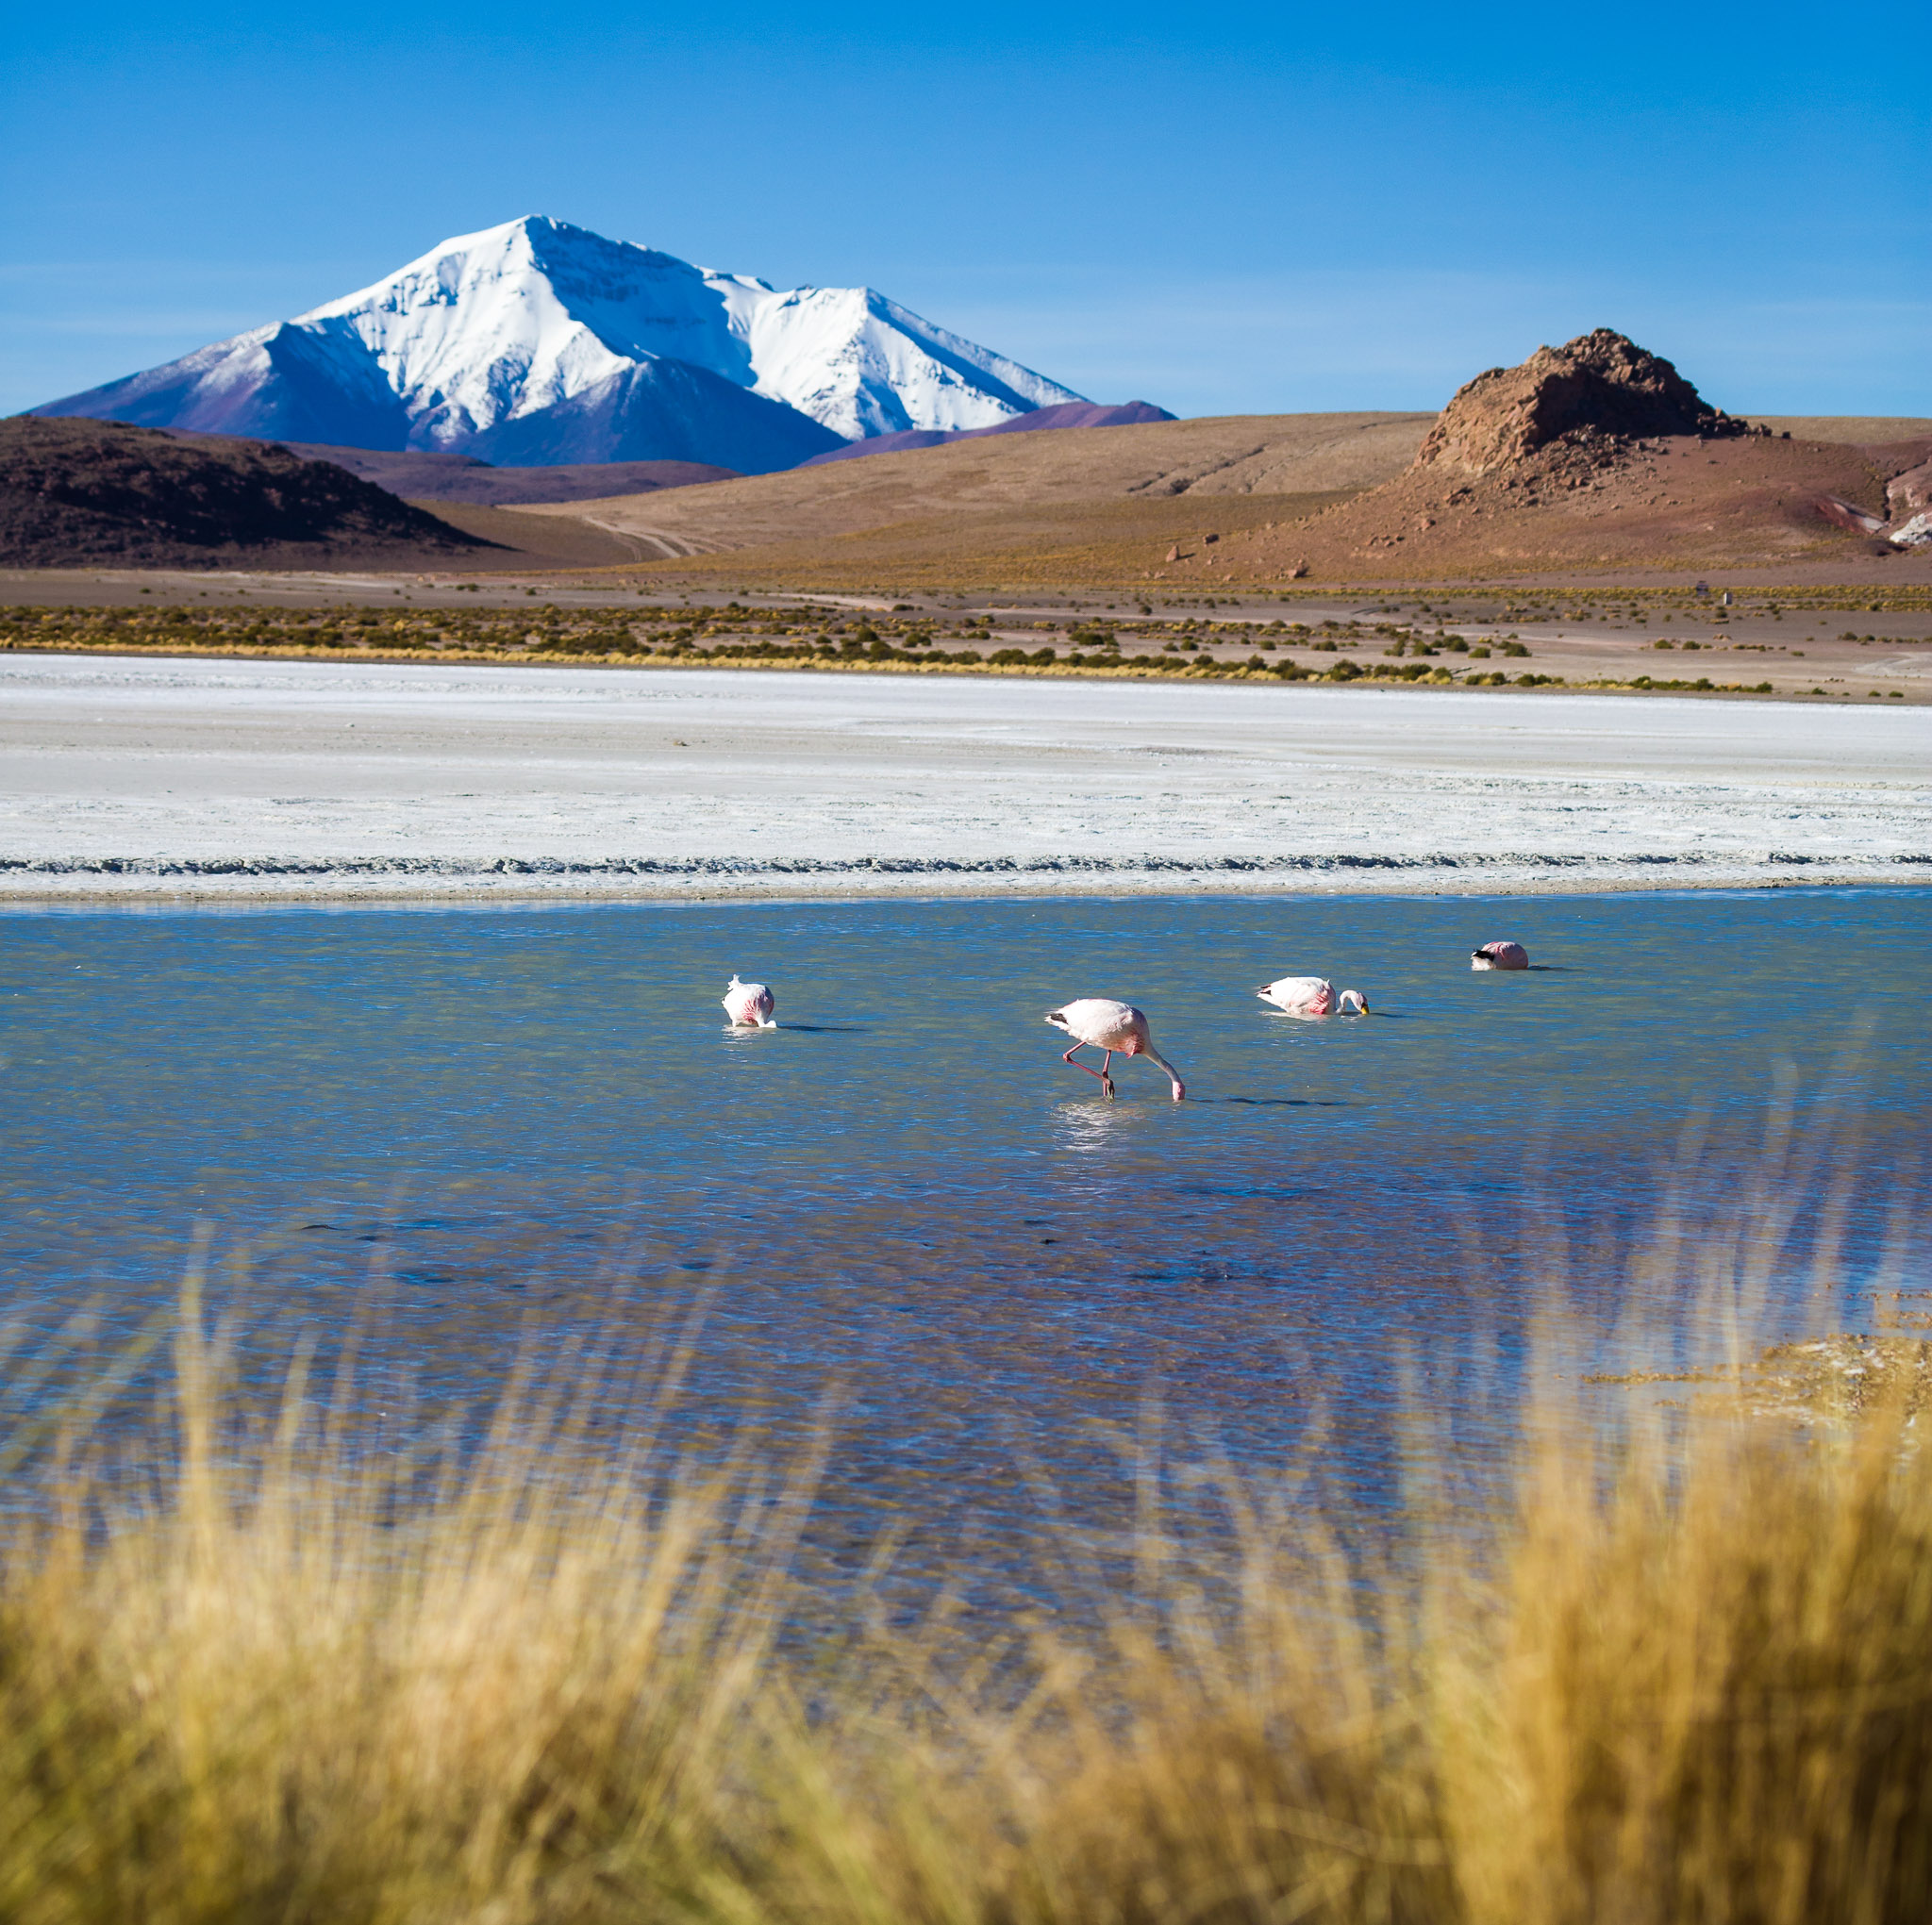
{"x":1099,"y":1022}
{"x":1499,"y":956}
{"x":1312,"y":996}
{"x":749,"y":1004}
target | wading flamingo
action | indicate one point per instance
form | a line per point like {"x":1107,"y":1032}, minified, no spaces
{"x":1499,"y":956}
{"x":1098,"y":1022}
{"x":749,"y":1004}
{"x":1312,"y":996}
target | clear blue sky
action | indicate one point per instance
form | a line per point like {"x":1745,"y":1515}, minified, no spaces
{"x":1280,"y":208}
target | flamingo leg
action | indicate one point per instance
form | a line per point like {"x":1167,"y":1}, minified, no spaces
{"x":1106,"y":1081}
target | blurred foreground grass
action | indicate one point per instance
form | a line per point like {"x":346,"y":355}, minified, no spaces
{"x":1679,"y":1676}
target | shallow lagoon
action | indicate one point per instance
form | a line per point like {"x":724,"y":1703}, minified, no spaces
{"x":501,"y":1131}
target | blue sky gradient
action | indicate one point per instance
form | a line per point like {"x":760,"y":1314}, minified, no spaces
{"x":1254,"y":210}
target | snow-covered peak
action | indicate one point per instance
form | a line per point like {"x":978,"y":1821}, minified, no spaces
{"x":493,"y":328}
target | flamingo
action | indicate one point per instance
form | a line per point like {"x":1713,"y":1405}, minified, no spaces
{"x":1312,"y":996}
{"x":749,"y":1004}
{"x":1499,"y":956}
{"x":1098,"y":1022}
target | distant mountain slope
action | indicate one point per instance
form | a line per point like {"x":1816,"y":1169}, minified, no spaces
{"x":418,"y":476}
{"x":947,"y":491}
{"x":542,"y":343}
{"x":1069,"y":414}
{"x":74,"y":493}
{"x":657,"y":412}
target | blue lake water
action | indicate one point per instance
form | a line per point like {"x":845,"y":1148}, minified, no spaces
{"x":508,"y":1128}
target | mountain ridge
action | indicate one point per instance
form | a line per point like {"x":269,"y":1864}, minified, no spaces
{"x":543,"y":344}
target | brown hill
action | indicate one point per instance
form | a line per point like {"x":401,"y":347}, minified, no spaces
{"x":1025,"y":499}
{"x":1676,"y":503}
{"x":1331,"y":498}
{"x":1598,"y":454}
{"x":1596,"y":390}
{"x":422,"y":475}
{"x":88,"y":494}
{"x":527,"y":541}
{"x":1857,"y":431}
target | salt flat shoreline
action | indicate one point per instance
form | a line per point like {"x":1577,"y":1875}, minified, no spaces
{"x":210,"y":781}
{"x":52,"y":885}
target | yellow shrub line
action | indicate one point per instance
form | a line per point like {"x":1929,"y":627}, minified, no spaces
{"x":819,"y":665}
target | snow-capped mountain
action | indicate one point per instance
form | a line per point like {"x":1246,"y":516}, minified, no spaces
{"x":538,"y":343}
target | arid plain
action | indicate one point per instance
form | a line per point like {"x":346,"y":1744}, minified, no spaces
{"x":1574,"y":632}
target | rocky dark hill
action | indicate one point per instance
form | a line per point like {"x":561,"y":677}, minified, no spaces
{"x":1599,"y":388}
{"x":91,"y":493}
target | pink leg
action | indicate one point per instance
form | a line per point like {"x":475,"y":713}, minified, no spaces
{"x":1106,"y":1081}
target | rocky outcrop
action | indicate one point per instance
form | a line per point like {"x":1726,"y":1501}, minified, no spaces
{"x":1592,"y":393}
{"x":1910,"y":495}
{"x":1849,"y":515}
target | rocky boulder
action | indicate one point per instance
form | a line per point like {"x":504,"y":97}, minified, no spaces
{"x":1910,"y":493}
{"x":1599,"y":388}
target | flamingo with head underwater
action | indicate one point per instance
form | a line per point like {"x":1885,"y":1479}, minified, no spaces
{"x":1099,"y":1022}
{"x":749,"y":1004}
{"x":1499,"y":956}
{"x":1312,"y":996}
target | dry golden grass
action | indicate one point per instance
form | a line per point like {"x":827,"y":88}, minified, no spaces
{"x":1214,"y":460}
{"x":1049,"y":544}
{"x":526,"y":541}
{"x":269,"y":1674}
{"x":1859,"y":430}
{"x":1016,"y":508}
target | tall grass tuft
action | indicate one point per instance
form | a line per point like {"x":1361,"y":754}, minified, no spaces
{"x":276,"y":1674}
